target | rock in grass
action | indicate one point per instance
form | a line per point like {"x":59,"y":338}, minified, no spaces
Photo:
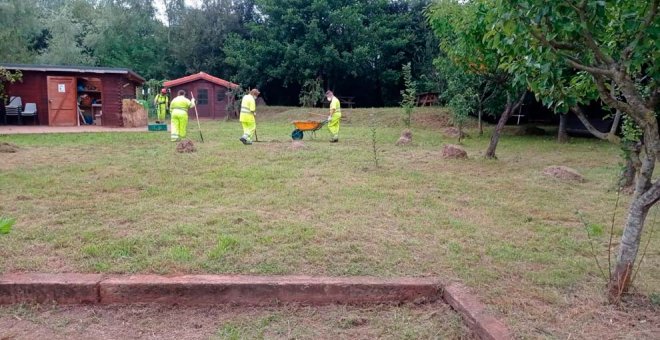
{"x":8,"y":148}
{"x":451,"y":151}
{"x":563,"y":173}
{"x":406,"y":138}
{"x":185,"y":146}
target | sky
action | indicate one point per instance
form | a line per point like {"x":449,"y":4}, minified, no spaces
{"x":160,"y":7}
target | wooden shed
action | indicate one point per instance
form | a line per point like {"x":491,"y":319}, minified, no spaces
{"x":210,"y":93}
{"x":59,"y":91}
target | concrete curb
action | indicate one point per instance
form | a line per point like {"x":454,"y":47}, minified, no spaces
{"x":240,"y":290}
{"x":474,"y":313}
{"x":213,"y":289}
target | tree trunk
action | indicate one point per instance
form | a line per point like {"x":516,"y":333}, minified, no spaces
{"x":508,"y":111}
{"x":562,"y":137}
{"x":646,"y":194}
{"x":481,"y":125}
{"x":633,"y":165}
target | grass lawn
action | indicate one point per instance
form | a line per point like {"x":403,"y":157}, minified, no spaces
{"x":127,"y":203}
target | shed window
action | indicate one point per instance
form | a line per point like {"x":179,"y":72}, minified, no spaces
{"x":202,"y":97}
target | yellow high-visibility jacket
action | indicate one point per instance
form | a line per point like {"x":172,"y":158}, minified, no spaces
{"x":182,"y":104}
{"x":248,"y":108}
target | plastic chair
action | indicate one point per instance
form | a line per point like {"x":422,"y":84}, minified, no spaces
{"x":31,"y":111}
{"x":14,"y":109}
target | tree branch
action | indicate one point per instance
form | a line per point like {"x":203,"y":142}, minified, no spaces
{"x":592,"y":129}
{"x":588,"y":37}
{"x":612,"y":102}
{"x":593,"y":70}
{"x":615,"y":123}
{"x":648,"y":20}
{"x":652,"y":195}
{"x":519,"y":102}
{"x":551,"y":43}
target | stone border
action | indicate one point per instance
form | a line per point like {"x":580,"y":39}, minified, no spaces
{"x":241,"y":290}
{"x":474,"y":313}
{"x":213,"y":289}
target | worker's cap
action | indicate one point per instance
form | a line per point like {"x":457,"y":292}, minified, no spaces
{"x":163,"y":91}
{"x":254,"y":92}
{"x":329,"y":93}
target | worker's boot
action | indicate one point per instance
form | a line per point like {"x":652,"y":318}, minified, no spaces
{"x":334,"y":139}
{"x":244,"y":139}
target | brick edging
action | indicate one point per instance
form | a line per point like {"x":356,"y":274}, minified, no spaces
{"x":213,"y":289}
{"x":474,"y":313}
{"x":248,"y":291}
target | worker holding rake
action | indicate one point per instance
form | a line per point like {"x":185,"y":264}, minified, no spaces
{"x":335,"y":116}
{"x":248,"y":111}
{"x":179,"y":111}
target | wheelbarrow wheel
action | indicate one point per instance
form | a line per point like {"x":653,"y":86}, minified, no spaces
{"x":297,"y":134}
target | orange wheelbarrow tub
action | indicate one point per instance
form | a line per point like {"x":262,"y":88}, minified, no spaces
{"x":306,"y":125}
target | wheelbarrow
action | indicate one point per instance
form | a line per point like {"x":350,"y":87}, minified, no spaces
{"x":306,"y":125}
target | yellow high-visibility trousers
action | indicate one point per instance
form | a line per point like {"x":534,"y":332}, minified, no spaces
{"x":179,"y":124}
{"x":161,"y":110}
{"x":249,"y":125}
{"x":333,"y":125}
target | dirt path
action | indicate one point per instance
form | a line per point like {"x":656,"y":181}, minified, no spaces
{"x":25,"y":129}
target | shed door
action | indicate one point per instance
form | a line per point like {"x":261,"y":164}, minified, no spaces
{"x":62,"y":107}
{"x":203,"y":99}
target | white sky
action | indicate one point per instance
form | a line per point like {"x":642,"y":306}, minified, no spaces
{"x":160,"y":7}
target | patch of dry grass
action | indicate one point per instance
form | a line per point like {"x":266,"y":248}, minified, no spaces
{"x":123,"y":203}
{"x":434,"y":321}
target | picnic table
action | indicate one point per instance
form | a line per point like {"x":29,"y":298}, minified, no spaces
{"x":427,"y":99}
{"x":347,"y":101}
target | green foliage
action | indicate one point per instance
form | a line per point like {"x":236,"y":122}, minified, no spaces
{"x":126,"y":34}
{"x":311,"y":92}
{"x":461,"y":105}
{"x":467,"y":62}
{"x":66,"y":33}
{"x":7,"y":77}
{"x":6,"y":224}
{"x":235,"y":96}
{"x":18,"y":30}
{"x":542,"y":42}
{"x":409,"y":94}
{"x":356,"y":47}
{"x":655,"y":299}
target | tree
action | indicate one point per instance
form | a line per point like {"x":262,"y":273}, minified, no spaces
{"x":311,"y":92}
{"x":356,"y":47}
{"x":461,"y":27}
{"x":571,"y":52}
{"x":65,"y":37}
{"x":7,"y":77}
{"x":126,"y":33}
{"x":409,"y":95}
{"x":18,"y":30}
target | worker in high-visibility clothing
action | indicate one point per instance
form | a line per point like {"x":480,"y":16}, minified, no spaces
{"x":161,"y":102}
{"x":179,"y":111}
{"x":335,"y":116}
{"x":248,"y":111}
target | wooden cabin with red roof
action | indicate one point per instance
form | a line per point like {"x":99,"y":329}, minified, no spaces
{"x":211,"y":93}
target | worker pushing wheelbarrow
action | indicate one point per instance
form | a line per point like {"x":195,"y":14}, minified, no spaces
{"x":313,"y":125}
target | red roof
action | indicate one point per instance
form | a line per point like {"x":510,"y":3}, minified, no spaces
{"x":198,"y":76}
